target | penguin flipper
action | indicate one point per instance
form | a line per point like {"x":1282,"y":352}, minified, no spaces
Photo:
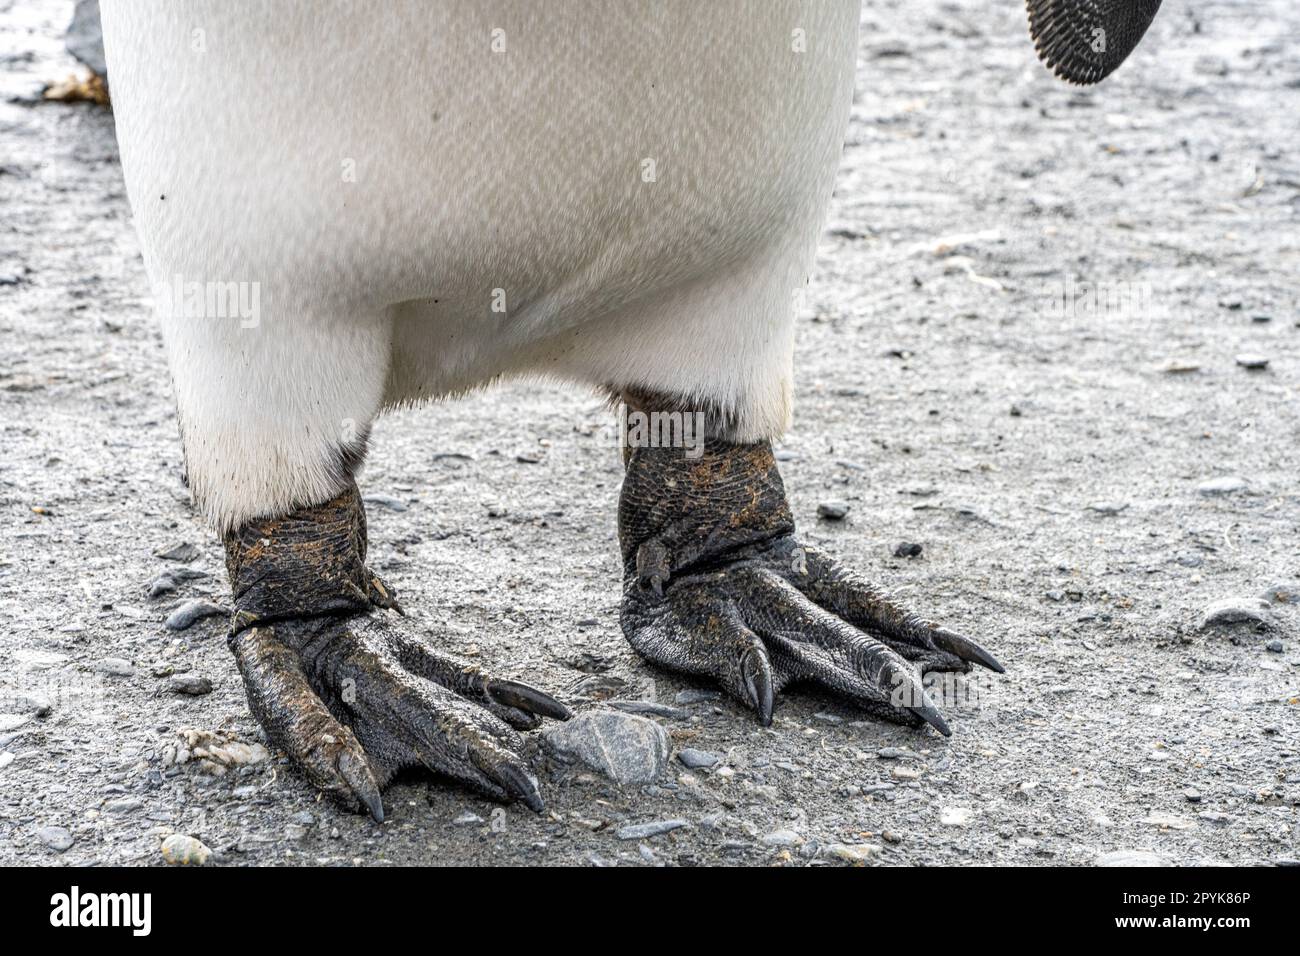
{"x":1084,"y":41}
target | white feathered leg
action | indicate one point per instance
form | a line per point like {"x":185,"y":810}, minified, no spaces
{"x":274,"y":414}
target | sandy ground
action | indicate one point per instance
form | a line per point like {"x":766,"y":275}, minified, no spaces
{"x":956,"y":387}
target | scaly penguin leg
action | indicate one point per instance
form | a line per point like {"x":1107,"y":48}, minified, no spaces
{"x":717,"y":585}
{"x":339,"y":685}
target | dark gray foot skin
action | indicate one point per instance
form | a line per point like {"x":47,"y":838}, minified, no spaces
{"x":337,"y":683}
{"x":716,"y":585}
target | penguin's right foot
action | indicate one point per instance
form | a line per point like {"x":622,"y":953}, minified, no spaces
{"x":336,"y":681}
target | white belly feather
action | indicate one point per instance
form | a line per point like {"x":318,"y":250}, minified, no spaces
{"x":430,"y":195}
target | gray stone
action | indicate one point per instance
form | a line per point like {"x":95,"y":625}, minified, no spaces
{"x":907,"y":549}
{"x":625,"y":747}
{"x":467,"y":819}
{"x":1252,"y":361}
{"x":183,"y":551}
{"x":385,"y":501}
{"x":124,"y":805}
{"x":1275,"y":646}
{"x":113,"y":667}
{"x":696,"y":759}
{"x":696,"y":696}
{"x":1281,"y":594}
{"x":1221,"y":486}
{"x":833,"y":510}
{"x":1236,"y":610}
{"x":27,"y":703}
{"x":649,"y":707}
{"x":1131,"y":858}
{"x":182,"y":850}
{"x":169,"y":580}
{"x":189,"y":684}
{"x":782,"y":838}
{"x":56,"y":838}
{"x":191,"y":611}
{"x":642,"y":831}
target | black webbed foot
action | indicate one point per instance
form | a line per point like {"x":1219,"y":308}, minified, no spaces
{"x":716,"y":585}
{"x":339,"y":685}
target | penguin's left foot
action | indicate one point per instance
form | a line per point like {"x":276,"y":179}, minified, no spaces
{"x":716,"y":585}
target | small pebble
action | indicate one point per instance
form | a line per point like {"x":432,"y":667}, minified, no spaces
{"x":467,"y":819}
{"x":833,"y":510}
{"x":181,"y":850}
{"x":649,"y":708}
{"x":1221,"y":486}
{"x":852,"y":852}
{"x":1252,"y":362}
{"x":192,"y":611}
{"x":387,"y":502}
{"x":1236,"y":611}
{"x":184,"y":552}
{"x":1275,"y":646}
{"x":696,"y":696}
{"x":113,"y":667}
{"x":955,"y":816}
{"x":189,"y":684}
{"x":696,"y":759}
{"x":1131,"y":858}
{"x":907,"y":549}
{"x":782,"y":838}
{"x":1192,"y":796}
{"x":56,"y":838}
{"x":642,"y":831}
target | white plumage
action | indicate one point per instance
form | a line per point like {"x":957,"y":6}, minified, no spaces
{"x":428,"y":196}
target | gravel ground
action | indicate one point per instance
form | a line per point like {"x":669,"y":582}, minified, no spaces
{"x":1085,"y":480}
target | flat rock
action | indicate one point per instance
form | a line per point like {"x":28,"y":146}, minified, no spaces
{"x":1236,"y":610}
{"x":113,"y":667}
{"x":1131,"y":858}
{"x":642,"y":831}
{"x":1252,"y":361}
{"x":183,"y":551}
{"x":1168,"y":821}
{"x":649,"y":707}
{"x":627,"y":748}
{"x":1227,"y":485}
{"x":57,"y":839}
{"x":694,"y":695}
{"x":385,"y":501}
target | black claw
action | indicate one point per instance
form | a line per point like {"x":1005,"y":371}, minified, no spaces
{"x":931,"y":716}
{"x":511,"y":693}
{"x":521,"y":786}
{"x":758,"y":682}
{"x":362,"y":782}
{"x":965,"y":648}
